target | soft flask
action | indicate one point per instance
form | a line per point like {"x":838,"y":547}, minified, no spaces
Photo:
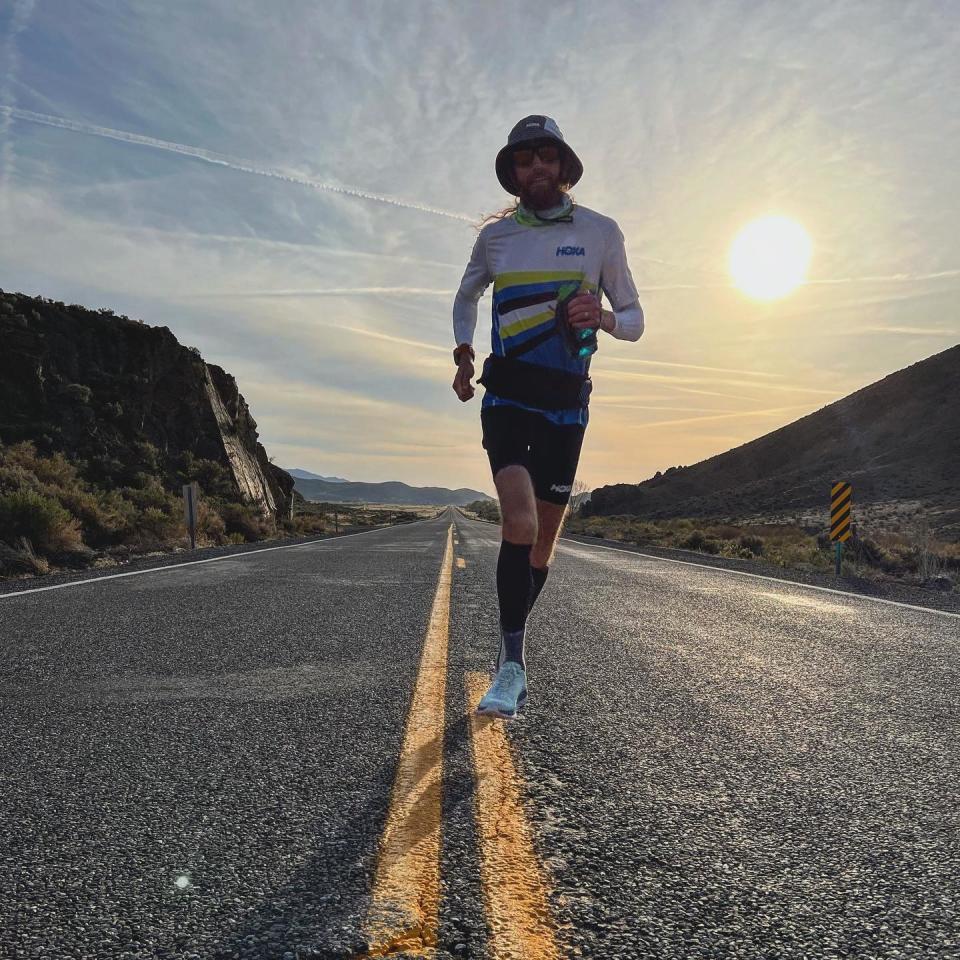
{"x":579,"y":343}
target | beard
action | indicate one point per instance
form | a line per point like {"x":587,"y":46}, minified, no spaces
{"x":542,"y":194}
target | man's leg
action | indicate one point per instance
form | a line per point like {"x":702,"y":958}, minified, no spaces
{"x":549,"y":521}
{"x":514,"y":582}
{"x":555,"y":454}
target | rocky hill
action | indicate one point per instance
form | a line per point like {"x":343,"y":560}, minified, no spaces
{"x":895,"y":440}
{"x":123,"y":400}
{"x":393,"y":491}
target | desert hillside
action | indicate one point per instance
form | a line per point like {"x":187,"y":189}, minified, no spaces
{"x":896,"y":440}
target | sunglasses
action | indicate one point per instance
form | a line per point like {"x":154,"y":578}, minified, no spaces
{"x":547,"y":154}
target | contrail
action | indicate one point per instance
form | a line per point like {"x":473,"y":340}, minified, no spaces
{"x":22,"y":9}
{"x":328,"y":292}
{"x":219,"y":159}
{"x":694,"y":366}
{"x":891,"y":278}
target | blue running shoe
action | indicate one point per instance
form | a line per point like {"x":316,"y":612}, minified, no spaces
{"x":507,"y":694}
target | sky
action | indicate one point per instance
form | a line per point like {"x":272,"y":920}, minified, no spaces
{"x":295,"y":187}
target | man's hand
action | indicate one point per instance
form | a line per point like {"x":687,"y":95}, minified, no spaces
{"x":583,"y":312}
{"x":461,"y":383}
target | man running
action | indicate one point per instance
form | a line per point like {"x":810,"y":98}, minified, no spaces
{"x":547,"y":258}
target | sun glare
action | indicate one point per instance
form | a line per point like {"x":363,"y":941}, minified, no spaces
{"x":769,"y":257}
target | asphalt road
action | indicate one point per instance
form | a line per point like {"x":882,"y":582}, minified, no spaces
{"x":199,"y":761}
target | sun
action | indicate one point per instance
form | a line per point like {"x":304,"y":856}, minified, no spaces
{"x":769,"y":257}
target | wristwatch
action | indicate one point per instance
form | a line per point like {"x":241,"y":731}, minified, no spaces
{"x":458,"y":350}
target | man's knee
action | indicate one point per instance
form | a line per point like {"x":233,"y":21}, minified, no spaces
{"x":517,"y":504}
{"x":521,"y":528}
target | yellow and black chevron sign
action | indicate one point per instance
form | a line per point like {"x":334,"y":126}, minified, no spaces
{"x":841,"y":504}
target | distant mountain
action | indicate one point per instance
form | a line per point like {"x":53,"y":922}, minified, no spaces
{"x":895,"y":440}
{"x":347,"y":491}
{"x":307,"y":475}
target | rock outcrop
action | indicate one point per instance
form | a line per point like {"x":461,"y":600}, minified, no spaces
{"x":124,"y":398}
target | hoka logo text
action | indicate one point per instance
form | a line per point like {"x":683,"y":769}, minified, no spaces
{"x":571,"y":252}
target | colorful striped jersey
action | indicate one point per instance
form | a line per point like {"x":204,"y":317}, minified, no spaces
{"x":527,"y":266}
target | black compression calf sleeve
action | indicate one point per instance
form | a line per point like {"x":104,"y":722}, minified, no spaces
{"x":514,"y":584}
{"x":539,"y":575}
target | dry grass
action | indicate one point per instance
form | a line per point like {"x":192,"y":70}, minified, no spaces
{"x":912,"y":555}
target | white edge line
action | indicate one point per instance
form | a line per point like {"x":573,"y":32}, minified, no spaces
{"x":192,"y":563}
{"x":761,"y":576}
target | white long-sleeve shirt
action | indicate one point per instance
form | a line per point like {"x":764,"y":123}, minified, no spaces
{"x":527,"y":266}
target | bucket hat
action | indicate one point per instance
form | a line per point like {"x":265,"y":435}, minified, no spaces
{"x":529,"y":129}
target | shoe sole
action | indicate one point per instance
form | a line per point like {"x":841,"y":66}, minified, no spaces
{"x":497,"y":713}
{"x":502,"y":715}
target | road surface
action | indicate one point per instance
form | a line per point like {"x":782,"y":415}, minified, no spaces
{"x":273,"y":754}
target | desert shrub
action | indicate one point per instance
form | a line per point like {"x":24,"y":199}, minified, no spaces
{"x":148,"y":455}
{"x":158,"y":524}
{"x":106,"y":471}
{"x":21,"y":558}
{"x":752,"y":546}
{"x":15,"y":477}
{"x":215,"y":479}
{"x":694,"y":541}
{"x":38,"y":518}
{"x":55,"y":469}
{"x":868,"y":551}
{"x":82,"y":504}
{"x":115,"y":519}
{"x":310,"y":524}
{"x":152,"y":494}
{"x":210,"y":525}
{"x":240,"y":518}
{"x":235,"y":538}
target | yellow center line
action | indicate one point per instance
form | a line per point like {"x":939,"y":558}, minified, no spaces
{"x":461,"y":563}
{"x":515,"y":887}
{"x":404,"y":908}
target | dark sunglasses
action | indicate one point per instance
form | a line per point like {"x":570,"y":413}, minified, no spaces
{"x":547,"y":154}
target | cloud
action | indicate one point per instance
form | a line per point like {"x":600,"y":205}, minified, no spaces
{"x":22,"y":10}
{"x":694,"y":366}
{"x":909,"y":331}
{"x":330,"y":292}
{"x":741,"y":415}
{"x":709,"y":381}
{"x":219,"y":159}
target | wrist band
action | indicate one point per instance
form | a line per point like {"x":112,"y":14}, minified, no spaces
{"x":458,"y":350}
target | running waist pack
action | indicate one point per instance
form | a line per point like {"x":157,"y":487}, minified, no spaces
{"x":534,"y":385}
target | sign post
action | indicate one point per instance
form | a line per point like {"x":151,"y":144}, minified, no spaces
{"x":841,"y":508}
{"x":191,"y":497}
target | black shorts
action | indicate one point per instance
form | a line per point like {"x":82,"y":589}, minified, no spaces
{"x":549,"y":452}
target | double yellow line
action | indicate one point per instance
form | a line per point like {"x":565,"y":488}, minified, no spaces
{"x":404,"y":911}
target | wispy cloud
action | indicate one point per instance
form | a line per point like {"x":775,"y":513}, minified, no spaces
{"x":328,"y":292}
{"x":910,"y":331}
{"x":711,"y":381}
{"x":22,"y":10}
{"x":282,"y":246}
{"x":888,"y":278}
{"x":742,"y":415}
{"x":219,"y":159}
{"x":695,"y":366}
